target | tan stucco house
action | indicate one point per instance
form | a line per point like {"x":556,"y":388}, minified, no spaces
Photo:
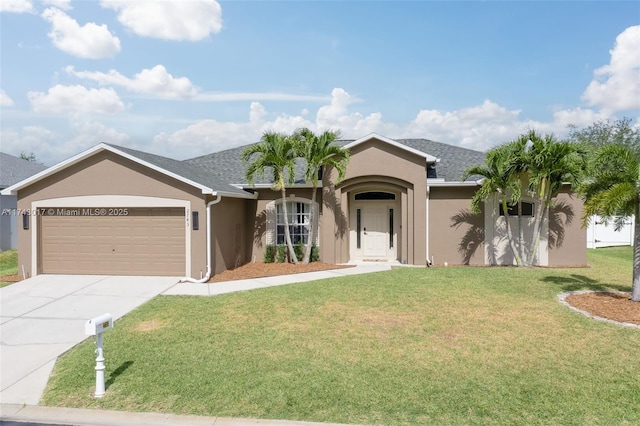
{"x":114,"y":210}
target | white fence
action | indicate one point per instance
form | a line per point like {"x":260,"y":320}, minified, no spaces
{"x":601,"y":235}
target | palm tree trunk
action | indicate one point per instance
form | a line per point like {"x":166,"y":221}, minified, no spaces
{"x":514,"y":249}
{"x":635,"y":291}
{"x":521,"y":244}
{"x":287,"y":234}
{"x":311,"y":231}
{"x":537,"y":227}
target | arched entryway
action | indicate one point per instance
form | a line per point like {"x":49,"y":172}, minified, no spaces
{"x":374,"y":225}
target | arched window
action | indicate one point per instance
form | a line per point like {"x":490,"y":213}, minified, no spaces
{"x":375,"y":195}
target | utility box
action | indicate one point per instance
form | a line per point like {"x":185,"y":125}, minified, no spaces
{"x":97,"y":325}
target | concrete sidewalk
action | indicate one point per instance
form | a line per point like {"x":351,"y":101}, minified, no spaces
{"x":86,"y":417}
{"x":191,"y":289}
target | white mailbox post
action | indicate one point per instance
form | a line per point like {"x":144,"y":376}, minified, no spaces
{"x":95,"y":327}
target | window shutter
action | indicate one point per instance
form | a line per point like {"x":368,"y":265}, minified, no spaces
{"x":314,"y":225}
{"x":271,"y":224}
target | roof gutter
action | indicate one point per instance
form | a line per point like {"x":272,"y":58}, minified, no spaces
{"x":434,"y":183}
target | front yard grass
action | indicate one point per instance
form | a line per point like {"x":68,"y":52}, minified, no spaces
{"x":408,"y":346}
{"x":8,"y":265}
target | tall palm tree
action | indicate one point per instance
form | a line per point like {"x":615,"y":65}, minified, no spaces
{"x":500,"y":177}
{"x":548,"y":164}
{"x":319,"y":152}
{"x":613,"y":189}
{"x":276,"y":152}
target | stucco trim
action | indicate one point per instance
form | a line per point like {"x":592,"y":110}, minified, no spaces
{"x":429,"y":158}
{"x":92,"y":201}
{"x":13,"y":190}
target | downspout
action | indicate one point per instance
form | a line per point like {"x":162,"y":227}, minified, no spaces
{"x":209,"y":227}
{"x":429,"y":263}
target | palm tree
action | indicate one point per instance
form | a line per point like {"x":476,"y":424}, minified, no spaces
{"x":500,"y":177}
{"x":319,"y":152}
{"x":548,"y":164}
{"x":276,"y":152}
{"x":613,"y":189}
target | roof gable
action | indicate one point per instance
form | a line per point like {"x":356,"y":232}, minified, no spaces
{"x":167,"y":166}
{"x":371,"y":136}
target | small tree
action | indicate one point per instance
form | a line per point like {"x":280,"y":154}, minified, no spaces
{"x":501,"y":179}
{"x":29,"y":157}
{"x":613,"y":189}
{"x":545,"y":163}
{"x":607,"y":132}
{"x":277,"y":153}
{"x":548,"y":164}
{"x":318,"y":151}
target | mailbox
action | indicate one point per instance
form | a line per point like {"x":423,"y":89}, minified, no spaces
{"x":97,"y":325}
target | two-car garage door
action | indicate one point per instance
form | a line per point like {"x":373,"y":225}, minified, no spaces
{"x":133,"y":241}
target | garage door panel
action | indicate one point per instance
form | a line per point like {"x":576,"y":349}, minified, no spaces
{"x":144,"y":242}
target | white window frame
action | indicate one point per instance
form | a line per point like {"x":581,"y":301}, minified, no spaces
{"x":275,"y":218}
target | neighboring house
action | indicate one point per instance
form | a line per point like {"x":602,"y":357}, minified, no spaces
{"x":114,"y":210}
{"x":601,"y":234}
{"x":12,"y":170}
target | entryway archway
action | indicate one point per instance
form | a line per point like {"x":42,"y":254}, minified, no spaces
{"x":374,"y":226}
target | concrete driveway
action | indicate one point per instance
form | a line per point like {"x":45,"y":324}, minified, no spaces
{"x":44,"y":316}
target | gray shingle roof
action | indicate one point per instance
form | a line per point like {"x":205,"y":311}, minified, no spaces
{"x":454,"y":160}
{"x":15,"y":169}
{"x":227,"y":165}
{"x":181,"y":168}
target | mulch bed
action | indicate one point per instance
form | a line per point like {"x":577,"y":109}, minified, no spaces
{"x":613,"y":306}
{"x":260,"y":270}
{"x":10,"y":278}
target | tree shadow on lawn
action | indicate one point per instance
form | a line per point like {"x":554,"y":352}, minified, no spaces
{"x":580,"y":282}
{"x":116,"y":373}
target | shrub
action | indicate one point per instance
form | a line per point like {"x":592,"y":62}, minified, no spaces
{"x":315,"y":253}
{"x":298,"y":249}
{"x":270,"y":253}
{"x":281,"y":254}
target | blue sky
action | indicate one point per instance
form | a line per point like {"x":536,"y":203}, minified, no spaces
{"x":186,"y":78}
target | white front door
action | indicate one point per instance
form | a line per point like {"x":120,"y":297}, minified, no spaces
{"x":375,"y":232}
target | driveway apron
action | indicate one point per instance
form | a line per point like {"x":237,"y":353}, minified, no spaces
{"x":43,"y":317}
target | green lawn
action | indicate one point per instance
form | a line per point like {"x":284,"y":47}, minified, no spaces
{"x":409,"y":346}
{"x":8,"y":265}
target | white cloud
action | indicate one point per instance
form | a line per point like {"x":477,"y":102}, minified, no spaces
{"x":479,"y":127}
{"x":169,"y":19}
{"x":616,"y":86}
{"x":36,"y":139}
{"x":207,"y":136}
{"x":91,"y":40}
{"x":90,"y":133}
{"x":5,"y":100}
{"x":336,"y":115}
{"x":155,"y":81}
{"x":16,"y":6}
{"x":76,"y":100}
{"x":51,"y":147}
{"x":258,"y":96}
{"x":60,"y":4}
